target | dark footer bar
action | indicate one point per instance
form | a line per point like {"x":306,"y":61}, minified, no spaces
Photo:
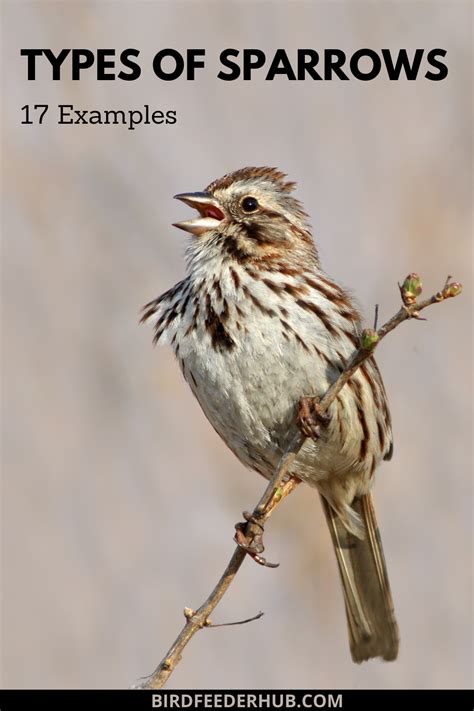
{"x":458,"y":700}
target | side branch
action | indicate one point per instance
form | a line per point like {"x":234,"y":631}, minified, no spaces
{"x":281,"y":483}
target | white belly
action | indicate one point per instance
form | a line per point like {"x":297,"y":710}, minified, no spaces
{"x":251,"y":394}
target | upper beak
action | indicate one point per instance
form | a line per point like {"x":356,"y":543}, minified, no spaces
{"x":209,"y":210}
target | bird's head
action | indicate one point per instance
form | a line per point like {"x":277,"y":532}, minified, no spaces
{"x":250,"y":215}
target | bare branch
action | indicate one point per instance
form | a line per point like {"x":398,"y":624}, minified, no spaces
{"x":281,"y":484}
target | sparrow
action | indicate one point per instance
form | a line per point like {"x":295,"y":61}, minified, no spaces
{"x":256,"y":325}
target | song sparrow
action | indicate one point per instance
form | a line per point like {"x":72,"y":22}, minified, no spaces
{"x":255,"y":326}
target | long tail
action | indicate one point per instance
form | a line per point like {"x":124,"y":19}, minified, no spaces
{"x":373,"y":629}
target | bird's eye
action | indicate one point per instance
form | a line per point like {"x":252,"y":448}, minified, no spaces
{"x":249,"y":204}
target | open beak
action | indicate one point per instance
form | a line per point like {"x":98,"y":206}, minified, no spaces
{"x":210,"y":213}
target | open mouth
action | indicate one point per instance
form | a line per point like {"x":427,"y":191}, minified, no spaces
{"x":210,"y":213}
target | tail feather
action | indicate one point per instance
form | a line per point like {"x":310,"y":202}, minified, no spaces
{"x":373,"y":629}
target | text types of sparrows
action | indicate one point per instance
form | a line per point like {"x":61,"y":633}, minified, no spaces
{"x":256,"y":325}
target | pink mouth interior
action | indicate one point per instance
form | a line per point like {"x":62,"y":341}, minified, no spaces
{"x":212,"y":211}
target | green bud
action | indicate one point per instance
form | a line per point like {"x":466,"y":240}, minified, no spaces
{"x":411,"y":289}
{"x":369,"y":338}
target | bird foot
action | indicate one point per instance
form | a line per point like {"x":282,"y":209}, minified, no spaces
{"x":251,"y":540}
{"x":311,"y":418}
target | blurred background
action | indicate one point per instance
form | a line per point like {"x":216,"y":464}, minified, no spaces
{"x":119,"y":499}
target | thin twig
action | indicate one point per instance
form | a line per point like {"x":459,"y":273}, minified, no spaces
{"x":240,"y":622}
{"x":370,"y":338}
{"x":376,"y":317}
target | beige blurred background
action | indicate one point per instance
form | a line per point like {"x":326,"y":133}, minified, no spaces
{"x":119,"y":499}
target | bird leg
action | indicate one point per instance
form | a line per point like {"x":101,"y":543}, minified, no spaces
{"x":249,"y":533}
{"x":311,"y":418}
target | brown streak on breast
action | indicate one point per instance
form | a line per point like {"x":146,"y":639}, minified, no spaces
{"x":372,"y":468}
{"x":388,"y":419}
{"x":342,"y":433}
{"x":381,"y":434}
{"x":219,"y":337}
{"x":149,"y":312}
{"x":328,"y":281}
{"x":356,"y":388}
{"x":235,"y":277}
{"x":217,"y":288}
{"x":350,"y":314}
{"x":152,"y":306}
{"x":295,"y":334}
{"x":340,"y":366}
{"x":300,"y":341}
{"x":371,"y":383}
{"x":277,"y":288}
{"x":365,"y":433}
{"x":335,"y":295}
{"x":324,"y":357}
{"x":185,"y":302}
{"x":163,"y":323}
{"x":308,"y":306}
{"x":258,"y":303}
{"x":225,"y":311}
{"x":295,"y":289}
{"x":318,"y":286}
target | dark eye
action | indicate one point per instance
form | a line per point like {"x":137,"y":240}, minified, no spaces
{"x":249,"y":204}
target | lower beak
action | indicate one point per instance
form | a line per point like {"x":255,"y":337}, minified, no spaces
{"x":210,"y":212}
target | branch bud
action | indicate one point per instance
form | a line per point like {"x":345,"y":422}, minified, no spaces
{"x":411,"y":289}
{"x":453,"y":289}
{"x":369,"y":339}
